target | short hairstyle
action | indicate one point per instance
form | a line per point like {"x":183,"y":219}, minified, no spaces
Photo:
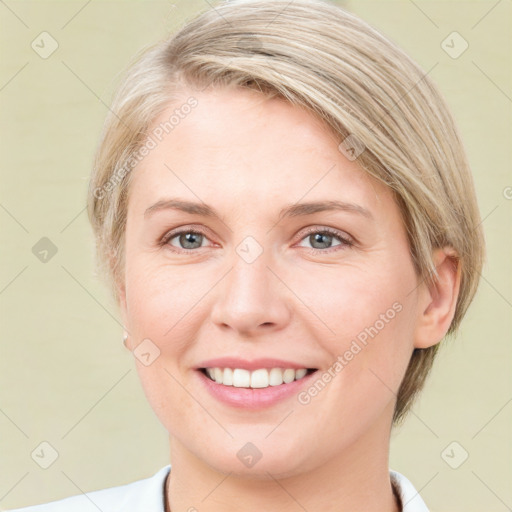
{"x":320,"y":57}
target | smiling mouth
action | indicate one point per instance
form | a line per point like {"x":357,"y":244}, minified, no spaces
{"x":256,"y":379}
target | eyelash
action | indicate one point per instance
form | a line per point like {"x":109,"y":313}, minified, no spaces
{"x":345,"y":241}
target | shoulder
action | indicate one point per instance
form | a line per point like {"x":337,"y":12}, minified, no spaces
{"x":142,"y":495}
{"x":410,"y":497}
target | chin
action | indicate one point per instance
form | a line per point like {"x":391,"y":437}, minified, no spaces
{"x":256,"y":460}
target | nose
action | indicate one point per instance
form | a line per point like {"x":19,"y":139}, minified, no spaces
{"x":251,"y":299}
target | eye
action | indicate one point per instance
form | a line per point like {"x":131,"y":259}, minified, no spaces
{"x":186,"y":239}
{"x":321,"y":239}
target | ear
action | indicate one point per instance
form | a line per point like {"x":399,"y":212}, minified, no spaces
{"x":436,"y":303}
{"x":121,"y":295}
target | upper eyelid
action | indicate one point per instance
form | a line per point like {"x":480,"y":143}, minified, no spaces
{"x":326,"y":229}
{"x":186,"y":229}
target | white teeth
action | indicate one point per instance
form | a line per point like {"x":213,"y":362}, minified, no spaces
{"x":261,"y":378}
{"x":288,"y":376}
{"x":218,"y":375}
{"x":276,"y":377}
{"x":241,"y":378}
{"x":227,"y":378}
{"x":300,"y":373}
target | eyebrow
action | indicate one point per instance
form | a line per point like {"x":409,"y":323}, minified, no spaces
{"x":291,"y":210}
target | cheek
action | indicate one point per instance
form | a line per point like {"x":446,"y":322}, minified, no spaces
{"x":161,"y":316}
{"x":161,"y":300}
{"x":159,"y":312}
{"x":363,"y":318}
{"x":348,"y":299}
{"x":164,"y":307}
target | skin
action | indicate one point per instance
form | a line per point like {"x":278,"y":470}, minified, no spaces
{"x":248,"y":156}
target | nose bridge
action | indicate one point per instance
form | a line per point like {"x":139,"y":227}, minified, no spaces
{"x":250,"y":297}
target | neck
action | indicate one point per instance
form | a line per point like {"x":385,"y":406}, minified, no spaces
{"x":355,"y":479}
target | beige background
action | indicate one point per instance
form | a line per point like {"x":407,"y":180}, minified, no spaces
{"x":65,"y":376}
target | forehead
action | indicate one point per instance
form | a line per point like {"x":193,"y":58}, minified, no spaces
{"x":241,"y":141}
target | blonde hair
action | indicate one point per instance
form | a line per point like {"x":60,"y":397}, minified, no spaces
{"x":320,"y":57}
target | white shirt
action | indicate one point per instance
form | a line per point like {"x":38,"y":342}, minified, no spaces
{"x":147,"y":495}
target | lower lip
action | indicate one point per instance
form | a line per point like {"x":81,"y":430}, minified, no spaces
{"x":253,"y":398}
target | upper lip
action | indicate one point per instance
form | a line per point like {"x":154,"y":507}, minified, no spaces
{"x":254,"y":364}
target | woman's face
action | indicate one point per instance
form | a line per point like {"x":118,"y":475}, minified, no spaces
{"x":263,"y":276}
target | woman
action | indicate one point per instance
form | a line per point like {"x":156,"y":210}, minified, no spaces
{"x":287,"y":219}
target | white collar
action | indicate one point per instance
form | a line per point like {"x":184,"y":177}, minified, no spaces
{"x":152,"y":494}
{"x":410,"y":497}
{"x":148,"y":495}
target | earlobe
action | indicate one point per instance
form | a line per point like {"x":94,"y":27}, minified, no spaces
{"x":436,"y":305}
